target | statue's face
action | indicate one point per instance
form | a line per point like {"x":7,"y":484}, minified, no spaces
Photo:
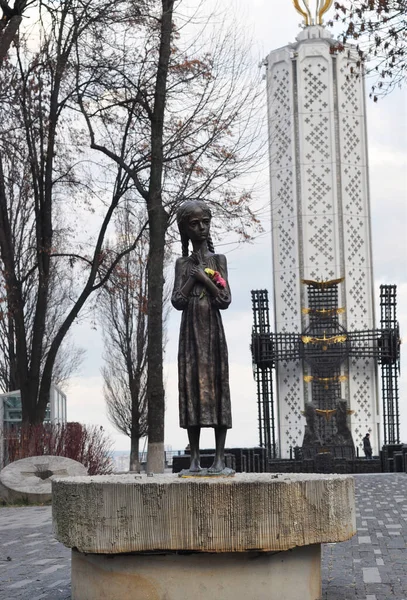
{"x":197,"y":226}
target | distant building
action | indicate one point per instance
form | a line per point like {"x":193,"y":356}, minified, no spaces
{"x":11,"y":413}
{"x":120,"y":461}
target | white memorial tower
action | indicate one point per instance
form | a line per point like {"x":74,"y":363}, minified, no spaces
{"x":320,"y":212}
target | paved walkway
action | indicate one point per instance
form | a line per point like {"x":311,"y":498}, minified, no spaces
{"x":371,"y":566}
{"x":33,"y":565}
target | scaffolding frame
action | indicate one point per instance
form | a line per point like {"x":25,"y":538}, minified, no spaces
{"x":382,"y":345}
{"x":263,"y":364}
{"x":389,"y":344}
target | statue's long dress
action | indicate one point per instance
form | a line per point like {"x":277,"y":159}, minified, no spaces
{"x":203,"y":372}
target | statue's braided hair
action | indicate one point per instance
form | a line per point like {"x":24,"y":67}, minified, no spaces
{"x":183,"y":213}
{"x":210,"y":245}
{"x":185,"y":244}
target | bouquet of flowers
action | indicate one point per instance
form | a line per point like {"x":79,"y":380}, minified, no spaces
{"x":216,"y":278}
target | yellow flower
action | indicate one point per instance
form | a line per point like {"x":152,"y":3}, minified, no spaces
{"x":210,"y":272}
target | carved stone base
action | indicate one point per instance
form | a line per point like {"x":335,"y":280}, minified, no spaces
{"x":117,"y":514}
{"x":251,"y":536}
{"x":292,"y":575}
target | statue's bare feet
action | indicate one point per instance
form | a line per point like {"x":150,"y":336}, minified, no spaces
{"x":195,"y":467}
{"x":218,"y":466}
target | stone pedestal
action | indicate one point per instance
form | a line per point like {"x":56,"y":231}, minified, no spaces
{"x":165,"y":538}
{"x":291,"y":575}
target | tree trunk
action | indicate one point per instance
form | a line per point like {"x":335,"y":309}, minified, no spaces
{"x":155,"y":385}
{"x":8,"y":34}
{"x":13,"y":380}
{"x":15,"y":303}
{"x":134,"y":385}
{"x":158,"y":223}
{"x":134,"y":454}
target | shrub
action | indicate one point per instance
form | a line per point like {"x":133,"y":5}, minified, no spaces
{"x":87,"y":444}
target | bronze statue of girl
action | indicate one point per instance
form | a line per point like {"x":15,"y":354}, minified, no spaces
{"x":200,"y":289}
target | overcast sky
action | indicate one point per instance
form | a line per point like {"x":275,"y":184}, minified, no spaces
{"x":272,"y":24}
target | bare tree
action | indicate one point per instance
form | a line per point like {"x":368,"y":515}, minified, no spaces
{"x":19,"y":213}
{"x":10,"y":22}
{"x":179,"y":114}
{"x":379,"y":29}
{"x":123,"y":311}
{"x":22,"y":221}
{"x":45,"y":271}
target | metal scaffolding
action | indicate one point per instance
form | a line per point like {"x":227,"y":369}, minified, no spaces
{"x":324,"y":346}
{"x":389,"y":344}
{"x":262,"y":352}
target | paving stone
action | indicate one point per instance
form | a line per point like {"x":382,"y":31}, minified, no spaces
{"x":19,"y":584}
{"x":365,"y":539}
{"x":371,"y":575}
{"x":52,"y":569}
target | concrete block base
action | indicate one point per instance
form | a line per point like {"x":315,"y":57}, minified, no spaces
{"x":291,"y":575}
{"x":249,"y":512}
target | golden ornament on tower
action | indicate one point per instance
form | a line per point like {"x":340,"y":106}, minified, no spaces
{"x":312,"y":14}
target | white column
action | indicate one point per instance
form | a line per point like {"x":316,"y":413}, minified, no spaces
{"x":320,"y":213}
{"x":286,"y":242}
{"x":357,"y":247}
